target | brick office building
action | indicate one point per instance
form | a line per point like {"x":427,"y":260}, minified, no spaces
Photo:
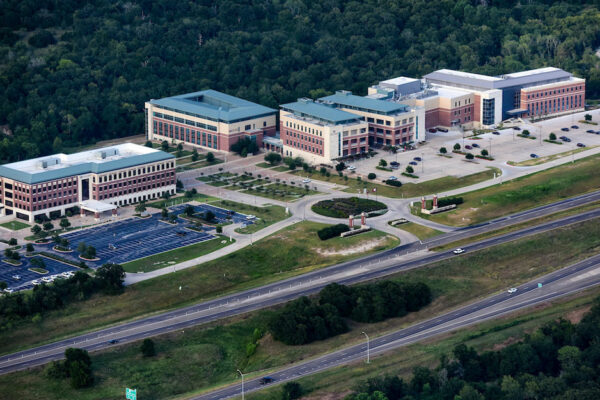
{"x":93,"y":180}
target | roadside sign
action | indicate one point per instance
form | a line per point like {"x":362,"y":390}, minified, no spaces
{"x":131,"y":394}
{"x":539,"y":285}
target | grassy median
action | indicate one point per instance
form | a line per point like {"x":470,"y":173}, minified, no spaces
{"x":207,"y":356}
{"x":291,"y":251}
{"x":544,"y":187}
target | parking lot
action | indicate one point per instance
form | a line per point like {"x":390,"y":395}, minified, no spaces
{"x":8,"y":272}
{"x":222,"y":215}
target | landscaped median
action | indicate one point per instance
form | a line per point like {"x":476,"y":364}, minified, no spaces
{"x":346,"y":206}
{"x":205,"y":357}
{"x":289,"y":252}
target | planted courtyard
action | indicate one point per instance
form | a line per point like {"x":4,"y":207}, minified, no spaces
{"x":344,"y":207}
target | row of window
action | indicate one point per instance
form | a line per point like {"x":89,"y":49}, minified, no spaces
{"x":303,"y":128}
{"x":134,"y":172}
{"x":555,"y":105}
{"x":556,"y":91}
{"x":380,"y":131}
{"x":304,"y":147}
{"x":465,"y":110}
{"x":187,"y":135}
{"x":131,"y":190}
{"x":388,"y":123}
{"x":186,"y":121}
{"x":458,"y":103}
{"x":310,"y":139}
{"x":135,"y":181}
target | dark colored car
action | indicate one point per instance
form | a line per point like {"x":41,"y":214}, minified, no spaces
{"x":574,"y":127}
{"x":442,"y":129}
{"x":417,"y":158}
{"x":265,"y":380}
{"x":433,"y":130}
{"x":113,"y":341}
{"x":468,"y":147}
{"x":516,"y":128}
{"x":495,"y":133}
{"x":564,"y":129}
{"x":580,"y":145}
{"x":475,"y":145}
{"x":591,"y":131}
{"x":565,"y":139}
{"x":532,"y":155}
{"x":413,"y":163}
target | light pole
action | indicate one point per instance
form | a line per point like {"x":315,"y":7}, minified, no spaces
{"x":490,"y":146}
{"x":422,"y":162}
{"x":368,"y":349}
{"x":242,"y":383}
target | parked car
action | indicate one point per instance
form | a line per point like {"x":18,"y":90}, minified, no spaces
{"x":305,"y":180}
{"x":516,"y":128}
{"x":265,"y":380}
{"x":413,"y":163}
{"x":564,"y":129}
{"x":533,"y":155}
{"x":36,"y":282}
{"x":475,"y":145}
{"x":574,"y":127}
{"x":458,"y":251}
{"x":433,"y":130}
{"x":512,"y":290}
{"x":468,"y":147}
{"x":417,"y":158}
{"x":580,"y":145}
{"x":9,"y":290}
{"x":442,"y":129}
{"x":591,"y":131}
{"x":16,"y":277}
{"x":495,"y":133}
{"x":597,"y":132}
{"x":392,"y":178}
{"x":47,"y":279}
{"x":567,"y":139}
{"x":351,"y":167}
{"x":394,"y":165}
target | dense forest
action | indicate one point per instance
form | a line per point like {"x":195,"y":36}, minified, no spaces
{"x":559,"y":361}
{"x":74,"y":72}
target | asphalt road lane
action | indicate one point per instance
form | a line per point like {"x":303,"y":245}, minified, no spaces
{"x":363,"y":269}
{"x":557,"y":284}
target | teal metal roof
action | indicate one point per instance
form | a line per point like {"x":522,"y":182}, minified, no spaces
{"x":308,"y":108}
{"x":348,"y":100}
{"x":214,"y":106}
{"x":83,"y":168}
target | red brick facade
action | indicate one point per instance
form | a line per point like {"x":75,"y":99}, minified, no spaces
{"x":310,"y":143}
{"x":559,"y":99}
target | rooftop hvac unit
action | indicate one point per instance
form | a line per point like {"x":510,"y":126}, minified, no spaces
{"x":47,"y":162}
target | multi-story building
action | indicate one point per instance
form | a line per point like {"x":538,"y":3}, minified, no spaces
{"x":94,"y":180}
{"x":390,"y":123}
{"x":208,"y":119}
{"x":473,"y":100}
{"x":320,"y":133}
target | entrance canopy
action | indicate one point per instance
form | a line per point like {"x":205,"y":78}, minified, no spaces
{"x":96,"y":206}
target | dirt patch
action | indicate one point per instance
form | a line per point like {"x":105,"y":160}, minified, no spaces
{"x":576,"y":315}
{"x":361,"y":248}
{"x":506,"y":343}
{"x":329,"y":396}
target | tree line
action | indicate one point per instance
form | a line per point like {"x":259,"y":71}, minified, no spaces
{"x":561,"y":360}
{"x":107,"y":279}
{"x":306,"y":320}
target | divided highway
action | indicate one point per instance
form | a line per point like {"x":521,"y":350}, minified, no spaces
{"x":572,"y":279}
{"x":363,"y":269}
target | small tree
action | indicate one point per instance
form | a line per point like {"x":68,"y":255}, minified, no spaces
{"x":409,"y":170}
{"x":552,"y":136}
{"x":340,"y":167}
{"x":140,"y":207}
{"x":443,"y":150}
{"x":484,"y":153}
{"x":371,"y":176}
{"x":164,"y":145}
{"x":292,"y":166}
{"x":292,"y":391}
{"x":526,"y":132}
{"x":219,"y":229}
{"x":164,"y":213}
{"x":210,"y":157}
{"x":456,"y":146}
{"x":189,"y":210}
{"x":81,"y":248}
{"x":469,"y":156}
{"x":36,"y":229}
{"x":12,"y":242}
{"x":148,"y":144}
{"x":48,"y":226}
{"x":3,"y":285}
{"x":382,"y":163}
{"x":273,"y":158}
{"x":179,"y":184}
{"x":29,"y":248}
{"x":148,"y":348}
{"x":195,"y":155}
{"x":209,"y":216}
{"x":588,"y":117}
{"x":64,"y":242}
{"x":180,"y":147}
{"x":64,"y":223}
{"x":322,"y":170}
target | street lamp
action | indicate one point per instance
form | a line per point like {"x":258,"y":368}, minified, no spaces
{"x":242,"y":383}
{"x":422,"y":162}
{"x":490,"y":146}
{"x":368,"y":349}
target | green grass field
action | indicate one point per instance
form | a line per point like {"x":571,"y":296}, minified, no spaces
{"x":291,"y":251}
{"x":207,"y":356}
{"x":264,"y":165}
{"x":420,"y":231}
{"x":15,"y":225}
{"x":172,"y":257}
{"x":523,"y":193}
{"x":542,"y":160}
{"x":267,"y":215}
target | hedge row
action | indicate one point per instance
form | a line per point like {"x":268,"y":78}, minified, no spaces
{"x":332,"y":231}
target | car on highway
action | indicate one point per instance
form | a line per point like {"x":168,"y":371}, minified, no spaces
{"x":574,"y":127}
{"x":458,"y":251}
{"x":413,"y":163}
{"x":591,"y":131}
{"x":495,"y":133}
{"x":512,"y":290}
{"x":533,"y":155}
{"x":113,"y":341}
{"x":564,"y":129}
{"x":468,"y":147}
{"x":265,"y":380}
{"x":392,"y":178}
{"x":475,"y":145}
{"x":580,"y":145}
{"x":16,"y":277}
{"x":305,"y":180}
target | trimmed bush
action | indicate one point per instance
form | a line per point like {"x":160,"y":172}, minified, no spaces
{"x":332,"y":231}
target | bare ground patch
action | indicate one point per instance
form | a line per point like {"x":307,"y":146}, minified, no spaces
{"x":366,"y":246}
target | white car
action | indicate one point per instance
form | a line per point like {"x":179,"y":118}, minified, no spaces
{"x":351,"y":168}
{"x":47,"y":279}
{"x":16,"y":277}
{"x":250,"y":216}
{"x":305,"y":180}
{"x":512,"y":290}
{"x":8,"y":290}
{"x":66,"y":274}
{"x":392,"y":178}
{"x":57,"y":276}
{"x":458,"y":251}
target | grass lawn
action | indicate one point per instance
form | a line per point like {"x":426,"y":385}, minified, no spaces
{"x":207,"y":356}
{"x":267,"y":215}
{"x":420,"y":231}
{"x":165,"y":259}
{"x":542,"y":160}
{"x":279,"y":191}
{"x":292,"y":251}
{"x":407,"y":189}
{"x":38,"y":270}
{"x":199,"y":164}
{"x":523,"y":193}
{"x":15,"y":225}
{"x":282,"y":168}
{"x":264,"y":165}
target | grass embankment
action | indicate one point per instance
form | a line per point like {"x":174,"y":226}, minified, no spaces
{"x":208,"y":356}
{"x":420,"y":231}
{"x":176,"y":256}
{"x":292,"y":251}
{"x":407,"y":189}
{"x":15,"y":225}
{"x":552,"y":157}
{"x":529,"y":191}
{"x":491,"y":335}
{"x":267,"y":215}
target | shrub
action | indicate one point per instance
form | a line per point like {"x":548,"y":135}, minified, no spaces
{"x":12,"y":242}
{"x":484,"y":153}
{"x":409,"y":170}
{"x":552,"y":136}
{"x":456,"y":146}
{"x":443,"y":150}
{"x":469,"y":156}
{"x":588,"y":117}
{"x":371,"y":176}
{"x":332,"y":231}
{"x":291,"y":391}
{"x":210,"y":157}
{"x":393,"y":183}
{"x":147,"y":348}
{"x":446,"y":201}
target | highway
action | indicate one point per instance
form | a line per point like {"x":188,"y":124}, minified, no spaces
{"x":402,"y":258}
{"x":566,"y":281}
